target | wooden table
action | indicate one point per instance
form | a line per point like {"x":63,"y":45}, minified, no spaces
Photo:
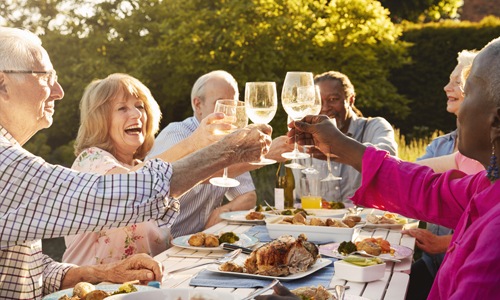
{"x":392,"y":286}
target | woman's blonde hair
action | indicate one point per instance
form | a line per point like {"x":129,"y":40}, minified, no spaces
{"x":95,"y":110}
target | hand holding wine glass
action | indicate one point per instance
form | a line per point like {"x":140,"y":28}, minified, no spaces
{"x":235,"y":115}
{"x":261,"y":103}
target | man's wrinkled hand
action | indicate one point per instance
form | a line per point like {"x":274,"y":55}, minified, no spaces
{"x":140,"y":267}
{"x":249,"y":143}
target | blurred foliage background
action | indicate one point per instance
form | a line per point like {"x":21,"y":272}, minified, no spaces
{"x":398,"y":54}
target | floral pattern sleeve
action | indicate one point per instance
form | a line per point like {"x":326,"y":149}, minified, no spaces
{"x":95,"y":160}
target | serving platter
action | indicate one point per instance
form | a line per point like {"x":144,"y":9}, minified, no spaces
{"x":314,"y":212}
{"x":316,"y":234}
{"x":246,"y":241}
{"x":318,"y":265}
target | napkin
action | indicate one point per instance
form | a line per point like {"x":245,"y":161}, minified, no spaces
{"x":210,"y":279}
{"x":260,"y":232}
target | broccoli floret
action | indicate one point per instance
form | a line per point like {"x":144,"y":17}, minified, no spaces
{"x":258,"y":208}
{"x":336,"y":205}
{"x":228,"y":237}
{"x":346,"y":247}
{"x":286,"y":212}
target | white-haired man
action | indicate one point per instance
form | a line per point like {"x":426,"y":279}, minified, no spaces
{"x":40,"y":200}
{"x":201,"y":206}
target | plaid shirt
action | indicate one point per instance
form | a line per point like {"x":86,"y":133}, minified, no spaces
{"x":40,"y":200}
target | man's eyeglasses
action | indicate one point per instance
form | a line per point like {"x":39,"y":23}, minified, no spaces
{"x":51,"y":76}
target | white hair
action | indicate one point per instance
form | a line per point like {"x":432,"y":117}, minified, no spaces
{"x":199,"y":86}
{"x":492,"y":49}
{"x":18,"y":48}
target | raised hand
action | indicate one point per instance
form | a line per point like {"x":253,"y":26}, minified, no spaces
{"x":322,"y":133}
{"x":206,"y":133}
{"x":250,"y":142}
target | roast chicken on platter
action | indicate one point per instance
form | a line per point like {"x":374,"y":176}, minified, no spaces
{"x":282,"y":257}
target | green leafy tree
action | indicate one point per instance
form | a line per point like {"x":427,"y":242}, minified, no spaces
{"x":422,"y":10}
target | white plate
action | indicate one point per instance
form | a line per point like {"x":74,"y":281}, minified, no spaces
{"x":175,"y":294}
{"x":315,"y":212}
{"x":246,"y":241}
{"x":316,"y":234}
{"x":239,"y":216}
{"x":400,"y":252}
{"x":320,"y":264}
{"x":104,"y":287}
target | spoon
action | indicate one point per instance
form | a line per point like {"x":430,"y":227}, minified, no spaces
{"x":340,"y":290}
{"x":226,"y":258}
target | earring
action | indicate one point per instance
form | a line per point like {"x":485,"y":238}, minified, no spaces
{"x":492,"y":171}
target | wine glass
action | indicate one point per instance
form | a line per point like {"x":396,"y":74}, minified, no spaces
{"x":313,"y":110}
{"x":330,"y":176}
{"x":296,"y":102}
{"x":261,"y":103}
{"x":235,"y":115}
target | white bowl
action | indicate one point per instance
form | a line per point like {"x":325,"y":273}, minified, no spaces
{"x":317,"y":234}
{"x":174,"y":294}
{"x":352,"y":272}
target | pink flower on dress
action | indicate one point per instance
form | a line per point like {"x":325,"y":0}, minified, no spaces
{"x":129,"y":251}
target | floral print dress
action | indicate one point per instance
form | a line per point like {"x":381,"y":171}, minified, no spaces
{"x":110,"y":245}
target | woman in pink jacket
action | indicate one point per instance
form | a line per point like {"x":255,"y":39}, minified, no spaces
{"x":468,"y":204}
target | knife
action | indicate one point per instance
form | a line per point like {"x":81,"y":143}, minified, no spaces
{"x":231,"y":247}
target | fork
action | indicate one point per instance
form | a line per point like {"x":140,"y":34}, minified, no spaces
{"x":226,"y":258}
{"x":364,"y":253}
{"x":272,"y":209}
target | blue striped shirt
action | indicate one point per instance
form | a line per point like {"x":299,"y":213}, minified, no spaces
{"x":41,"y":200}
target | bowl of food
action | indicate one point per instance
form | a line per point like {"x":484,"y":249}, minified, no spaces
{"x":360,"y":269}
{"x":319,"y":230}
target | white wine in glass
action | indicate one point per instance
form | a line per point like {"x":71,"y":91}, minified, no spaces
{"x":261,"y":103}
{"x":235,"y":115}
{"x":313,"y":110}
{"x":297,"y":100}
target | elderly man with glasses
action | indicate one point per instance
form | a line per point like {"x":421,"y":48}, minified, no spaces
{"x":40,"y":200}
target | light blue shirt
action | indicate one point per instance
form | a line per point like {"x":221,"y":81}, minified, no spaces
{"x":201,"y":200}
{"x":442,"y":145}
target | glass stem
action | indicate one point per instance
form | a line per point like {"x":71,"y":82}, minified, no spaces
{"x":224,"y":175}
{"x":329,"y":165}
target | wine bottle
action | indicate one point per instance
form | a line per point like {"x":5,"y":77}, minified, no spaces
{"x":285,"y":184}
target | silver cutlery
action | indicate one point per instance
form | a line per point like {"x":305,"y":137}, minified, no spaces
{"x":364,"y":253}
{"x":340,"y":291}
{"x":272,"y":209}
{"x":244,"y":250}
{"x":226,"y":258}
{"x":262,"y":290}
